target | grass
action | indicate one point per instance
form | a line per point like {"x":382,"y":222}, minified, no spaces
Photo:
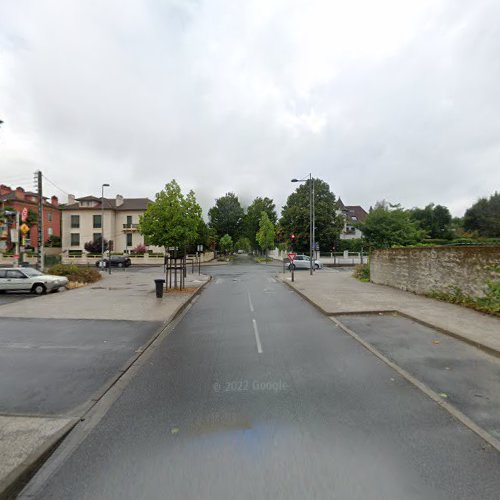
{"x":362,"y":272}
{"x":260,"y":260}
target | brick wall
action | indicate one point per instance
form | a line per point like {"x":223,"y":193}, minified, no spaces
{"x":427,"y":269}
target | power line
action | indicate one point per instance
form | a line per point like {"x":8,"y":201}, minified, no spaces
{"x":55,"y":185}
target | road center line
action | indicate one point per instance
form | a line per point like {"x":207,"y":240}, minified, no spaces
{"x":250,"y":302}
{"x":257,"y":337}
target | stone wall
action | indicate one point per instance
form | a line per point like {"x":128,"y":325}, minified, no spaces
{"x":427,"y":269}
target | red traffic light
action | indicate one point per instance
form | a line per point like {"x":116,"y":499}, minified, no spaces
{"x":292,"y":236}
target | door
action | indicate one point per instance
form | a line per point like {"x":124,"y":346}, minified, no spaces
{"x":17,"y":280}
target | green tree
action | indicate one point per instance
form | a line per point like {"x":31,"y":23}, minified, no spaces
{"x":244,"y":244}
{"x":173,"y":219}
{"x":252,"y":217}
{"x":226,"y":244}
{"x":265,"y":234}
{"x":435,"y":220}
{"x":295,"y":216}
{"x":484,"y":217}
{"x":226,"y":216}
{"x":389,"y":225}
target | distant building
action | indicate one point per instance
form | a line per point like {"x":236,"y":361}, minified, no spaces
{"x":352,"y":215}
{"x":82,"y":222}
{"x":17,"y":199}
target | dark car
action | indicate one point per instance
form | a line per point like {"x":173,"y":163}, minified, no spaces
{"x":116,"y":261}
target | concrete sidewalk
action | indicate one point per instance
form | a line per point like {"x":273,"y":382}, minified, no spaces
{"x":123,"y":295}
{"x":337,"y":292}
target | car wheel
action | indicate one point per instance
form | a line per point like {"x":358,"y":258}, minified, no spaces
{"x":38,"y":289}
{"x":316,"y":266}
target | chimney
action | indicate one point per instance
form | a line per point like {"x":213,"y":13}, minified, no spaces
{"x":19,"y":193}
{"x":4,"y":189}
{"x":71,"y":199}
{"x":119,"y":200}
{"x":54,"y":201}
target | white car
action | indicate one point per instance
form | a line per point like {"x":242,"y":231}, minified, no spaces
{"x":302,"y":262}
{"x":27,"y":279}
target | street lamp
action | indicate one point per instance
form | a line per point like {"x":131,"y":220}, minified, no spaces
{"x":311,"y":218}
{"x":102,"y":225}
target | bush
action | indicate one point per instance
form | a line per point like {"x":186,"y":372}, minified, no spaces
{"x":362,"y":272}
{"x":139,"y":250}
{"x":75,"y":273}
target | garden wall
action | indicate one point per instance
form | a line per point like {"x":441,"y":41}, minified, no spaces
{"x":436,"y":269}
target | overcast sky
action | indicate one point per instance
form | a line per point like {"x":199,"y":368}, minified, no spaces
{"x":393,"y":99}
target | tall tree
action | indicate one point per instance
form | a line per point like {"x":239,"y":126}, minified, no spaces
{"x":435,"y":220}
{"x":265,"y":234}
{"x":253,"y":215}
{"x":226,"y":216}
{"x":295,"y":216}
{"x":226,"y":244}
{"x":173,"y":219}
{"x":390,"y":225}
{"x":484,"y":216}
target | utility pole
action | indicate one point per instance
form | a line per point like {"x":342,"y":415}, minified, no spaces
{"x":18,"y":232}
{"x":40,"y":258}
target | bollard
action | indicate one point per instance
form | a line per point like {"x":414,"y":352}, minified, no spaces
{"x":159,"y":288}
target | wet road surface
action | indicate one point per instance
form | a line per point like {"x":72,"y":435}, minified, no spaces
{"x":256,"y":395}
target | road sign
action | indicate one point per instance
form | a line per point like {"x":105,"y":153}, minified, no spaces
{"x":199,"y":248}
{"x":24,"y":214}
{"x":292,"y":256}
{"x":24,"y":228}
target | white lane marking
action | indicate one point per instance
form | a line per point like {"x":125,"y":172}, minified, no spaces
{"x":257,"y":337}
{"x":250,"y":302}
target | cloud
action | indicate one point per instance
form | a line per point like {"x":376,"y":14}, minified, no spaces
{"x":388,"y":99}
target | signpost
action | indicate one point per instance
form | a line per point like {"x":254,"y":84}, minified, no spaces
{"x":291,"y":257}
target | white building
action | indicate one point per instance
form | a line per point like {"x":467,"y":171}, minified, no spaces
{"x":352,"y":215}
{"x":82,"y":221}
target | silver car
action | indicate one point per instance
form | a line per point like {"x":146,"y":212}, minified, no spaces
{"x":26,"y":279}
{"x":302,"y":262}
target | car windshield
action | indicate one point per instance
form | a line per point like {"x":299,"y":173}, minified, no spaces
{"x":32,"y":272}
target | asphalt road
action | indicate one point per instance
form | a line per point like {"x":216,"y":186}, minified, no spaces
{"x":467,"y":377}
{"x":52,"y":366}
{"x":9,"y":297}
{"x":256,"y":395}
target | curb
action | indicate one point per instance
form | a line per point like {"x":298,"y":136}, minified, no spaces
{"x":478,"y":345}
{"x":22,"y":472}
{"x":19,"y":478}
{"x":455,"y":412}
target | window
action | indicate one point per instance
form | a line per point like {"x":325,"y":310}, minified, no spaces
{"x":3,"y":274}
{"x":49,"y":216}
{"x":96,"y":236}
{"x":129,"y":239}
{"x":97,"y":221}
{"x":75,"y":221}
{"x":129,"y":220}
{"x":15,"y":274}
{"x":75,"y":239}
{"x":50,"y":231}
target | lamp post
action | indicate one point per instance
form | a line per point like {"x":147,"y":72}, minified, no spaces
{"x":102,"y":225}
{"x":311,"y":218}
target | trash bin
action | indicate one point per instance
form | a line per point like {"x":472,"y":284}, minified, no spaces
{"x":159,"y":288}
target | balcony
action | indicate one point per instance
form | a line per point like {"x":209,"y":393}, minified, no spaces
{"x":130,"y":228}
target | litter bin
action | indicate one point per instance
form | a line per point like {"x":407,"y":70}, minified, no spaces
{"x":159,"y":288}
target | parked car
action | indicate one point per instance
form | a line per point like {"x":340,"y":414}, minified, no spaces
{"x":302,"y":262}
{"x":116,"y":261}
{"x":31,"y":280}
